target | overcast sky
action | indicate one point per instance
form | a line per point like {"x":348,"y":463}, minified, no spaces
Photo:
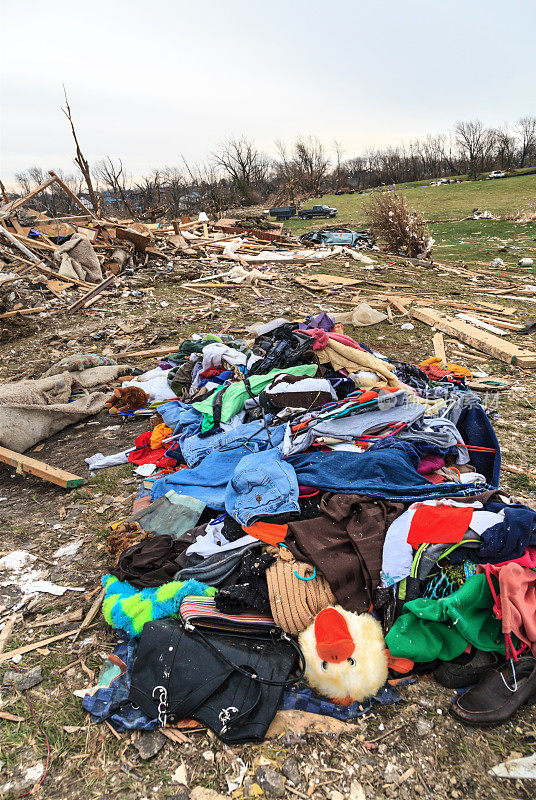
{"x":151,"y":81}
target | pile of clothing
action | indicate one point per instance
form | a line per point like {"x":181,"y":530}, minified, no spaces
{"x":321,"y":523}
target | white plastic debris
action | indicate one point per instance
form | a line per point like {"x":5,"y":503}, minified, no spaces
{"x":516,"y":768}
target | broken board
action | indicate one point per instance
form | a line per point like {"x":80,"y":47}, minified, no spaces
{"x":481,"y":340}
{"x":52,"y":474}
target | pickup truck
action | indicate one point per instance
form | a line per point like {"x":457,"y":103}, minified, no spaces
{"x":317,"y":211}
{"x":283,"y":212}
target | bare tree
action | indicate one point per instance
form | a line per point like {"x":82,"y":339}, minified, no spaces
{"x":245,"y":165}
{"x":52,"y":200}
{"x":526,"y":130}
{"x":476,"y":143}
{"x":80,"y":161}
{"x":114,"y":178}
{"x":505,"y":145}
{"x":339,"y":152}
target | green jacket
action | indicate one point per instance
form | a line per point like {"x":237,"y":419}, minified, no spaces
{"x":442,"y":628}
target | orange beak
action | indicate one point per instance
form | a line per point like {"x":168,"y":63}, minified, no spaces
{"x":333,"y":640}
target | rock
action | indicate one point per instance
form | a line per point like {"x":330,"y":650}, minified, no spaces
{"x":356,"y":791}
{"x":23,"y":680}
{"x":149,"y":744}
{"x":23,"y":779}
{"x":423,"y":728}
{"x":334,"y":794}
{"x":271,"y":782}
{"x":391,"y":773}
{"x":200,"y":793}
{"x":291,"y":770}
{"x":293,"y":725}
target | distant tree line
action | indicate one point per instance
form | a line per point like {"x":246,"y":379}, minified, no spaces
{"x":238,"y":173}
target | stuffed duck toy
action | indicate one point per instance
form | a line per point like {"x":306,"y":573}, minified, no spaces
{"x":345,"y":656}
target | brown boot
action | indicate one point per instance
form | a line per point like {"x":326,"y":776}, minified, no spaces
{"x":498,"y":695}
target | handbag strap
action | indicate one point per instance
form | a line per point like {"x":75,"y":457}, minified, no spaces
{"x":247,"y":671}
{"x":229,"y":721}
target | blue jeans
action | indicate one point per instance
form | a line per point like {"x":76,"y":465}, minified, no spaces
{"x":181,"y":417}
{"x":263,"y":484}
{"x":208,"y":481}
{"x":196,"y":448}
{"x":384,"y":473}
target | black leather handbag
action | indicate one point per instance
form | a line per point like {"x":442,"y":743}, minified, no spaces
{"x":230,"y":682}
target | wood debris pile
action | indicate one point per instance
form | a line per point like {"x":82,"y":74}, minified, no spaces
{"x":41,"y":269}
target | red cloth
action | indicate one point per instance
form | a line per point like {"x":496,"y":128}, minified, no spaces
{"x":322,"y":339}
{"x":516,"y":604}
{"x":144,"y":455}
{"x":438,"y":524}
{"x":267,"y":532}
{"x":210,"y":372}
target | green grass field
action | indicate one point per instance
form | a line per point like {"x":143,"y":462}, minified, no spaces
{"x":450,"y":201}
{"x":473,"y":241}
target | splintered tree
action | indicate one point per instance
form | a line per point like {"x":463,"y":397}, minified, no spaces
{"x":80,"y":161}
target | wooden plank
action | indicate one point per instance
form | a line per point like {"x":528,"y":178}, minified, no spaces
{"x":14,"y":241}
{"x":47,"y":271}
{"x":36,"y":310}
{"x":6,"y":212}
{"x":52,"y":474}
{"x":92,"y":293}
{"x":155,"y":351}
{"x":27,"y":648}
{"x":398,"y":304}
{"x":481,"y":340}
{"x":71,"y":194}
{"x":439,"y":346}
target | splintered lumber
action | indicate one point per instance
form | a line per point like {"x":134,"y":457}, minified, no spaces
{"x":198,"y":291}
{"x":92,"y":293}
{"x":155,"y":351}
{"x":398,"y":303}
{"x":481,"y":340}
{"x":36,"y":310}
{"x":92,"y":613}
{"x":14,"y":241}
{"x":6,"y":632}
{"x":47,"y":271}
{"x":27,"y":648}
{"x":38,"y":468}
{"x":439,"y":346}
{"x":7,"y":211}
{"x":72,"y":195}
{"x":481,"y":324}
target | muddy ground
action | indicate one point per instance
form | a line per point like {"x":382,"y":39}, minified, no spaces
{"x":411,"y":749}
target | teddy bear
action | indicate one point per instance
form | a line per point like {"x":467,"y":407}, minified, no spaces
{"x":126,"y":399}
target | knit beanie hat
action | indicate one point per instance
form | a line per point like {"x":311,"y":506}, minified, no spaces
{"x":294,"y":603}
